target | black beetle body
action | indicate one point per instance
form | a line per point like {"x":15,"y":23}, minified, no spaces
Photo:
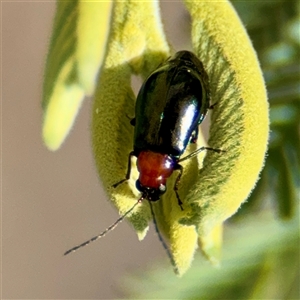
{"x":170,"y":105}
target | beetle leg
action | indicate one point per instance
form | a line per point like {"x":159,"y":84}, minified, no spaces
{"x":200,"y":150}
{"x":180,"y":169}
{"x":162,"y":240}
{"x":128,"y":170}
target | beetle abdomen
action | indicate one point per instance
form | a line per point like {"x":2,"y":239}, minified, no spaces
{"x":170,"y":105}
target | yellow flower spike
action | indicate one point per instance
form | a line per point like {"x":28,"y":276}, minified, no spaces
{"x":75,"y":55}
{"x":137,"y":45}
{"x":240,"y":123}
{"x":114,"y":100}
{"x":183,"y":245}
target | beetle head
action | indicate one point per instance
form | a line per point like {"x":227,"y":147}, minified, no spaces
{"x":152,"y":194}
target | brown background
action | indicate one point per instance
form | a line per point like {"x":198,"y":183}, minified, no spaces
{"x":52,"y":201}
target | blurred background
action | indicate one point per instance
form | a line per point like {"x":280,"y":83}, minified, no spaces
{"x":52,"y":201}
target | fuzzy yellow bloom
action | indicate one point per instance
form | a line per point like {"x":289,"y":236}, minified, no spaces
{"x":211,"y":193}
{"x":213,"y":186}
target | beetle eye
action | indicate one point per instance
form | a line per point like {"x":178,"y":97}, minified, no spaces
{"x":138,"y":185}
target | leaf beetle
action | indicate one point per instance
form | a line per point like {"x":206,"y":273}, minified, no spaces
{"x":171,"y":104}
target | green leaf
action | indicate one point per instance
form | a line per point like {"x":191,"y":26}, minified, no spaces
{"x":260,"y":261}
{"x":75,"y":55}
{"x":278,"y":49}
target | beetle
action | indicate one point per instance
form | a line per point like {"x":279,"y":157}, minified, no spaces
{"x":171,"y":104}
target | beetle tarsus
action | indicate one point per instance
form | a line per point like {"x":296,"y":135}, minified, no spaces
{"x":132,"y":122}
{"x":212,"y":106}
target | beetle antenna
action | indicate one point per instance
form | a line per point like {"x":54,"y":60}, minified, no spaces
{"x":102,"y":234}
{"x":162,"y":241}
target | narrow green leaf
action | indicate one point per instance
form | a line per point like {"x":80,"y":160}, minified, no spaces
{"x":260,"y":261}
{"x":92,"y":33}
{"x":283,"y":183}
{"x":75,"y":55}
